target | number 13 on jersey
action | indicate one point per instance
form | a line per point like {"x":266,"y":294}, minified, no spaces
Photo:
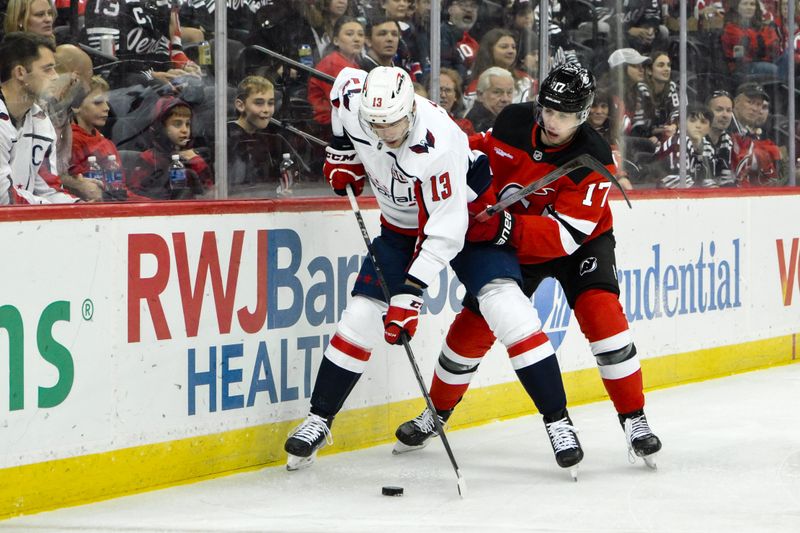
{"x":440,"y":187}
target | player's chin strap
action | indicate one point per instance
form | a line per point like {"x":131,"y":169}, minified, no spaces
{"x":583,"y":160}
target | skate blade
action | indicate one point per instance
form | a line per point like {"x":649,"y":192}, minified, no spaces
{"x":400,"y":448}
{"x":650,"y":461}
{"x":573,"y":471}
{"x":294,"y":462}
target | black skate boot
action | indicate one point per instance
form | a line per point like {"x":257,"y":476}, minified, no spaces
{"x":417,"y":433}
{"x":641,"y":440}
{"x":564,"y":439}
{"x":306,"y":439}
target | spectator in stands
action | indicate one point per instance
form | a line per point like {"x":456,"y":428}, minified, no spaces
{"x":790,"y":44}
{"x":458,"y":47}
{"x":147,"y":40}
{"x":642,"y":25}
{"x":91,"y":114}
{"x":254,"y":151}
{"x":409,"y":54}
{"x":495,"y":91}
{"x":602,"y":121}
{"x":344,"y":51}
{"x":632,"y":106}
{"x":699,"y":153}
{"x":171,"y":134}
{"x":756,"y":160}
{"x":520,"y":23}
{"x":27,"y":137}
{"x":450,"y":99}
{"x":720,"y":103}
{"x":498,"y":49}
{"x":663,"y":94}
{"x":750,"y":41}
{"x":75,"y":77}
{"x":383,"y":37}
{"x":35,"y":16}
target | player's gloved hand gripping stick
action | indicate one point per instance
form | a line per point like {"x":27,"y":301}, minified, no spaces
{"x":462,"y":486}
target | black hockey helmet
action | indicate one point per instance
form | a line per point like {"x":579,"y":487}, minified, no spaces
{"x":569,"y":88}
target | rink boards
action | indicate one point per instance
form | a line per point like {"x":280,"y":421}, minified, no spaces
{"x":144,"y":346}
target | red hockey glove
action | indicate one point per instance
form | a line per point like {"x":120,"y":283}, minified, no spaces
{"x":401,"y":318}
{"x":342,"y":168}
{"x":497,"y":229}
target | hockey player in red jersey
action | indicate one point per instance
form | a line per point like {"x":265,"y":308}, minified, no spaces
{"x":563,"y":231}
{"x":423,"y":174}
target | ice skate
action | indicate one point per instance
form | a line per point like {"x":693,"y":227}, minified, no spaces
{"x":564,"y":440}
{"x":306,"y":439}
{"x":640,"y":438}
{"x":417,"y":433}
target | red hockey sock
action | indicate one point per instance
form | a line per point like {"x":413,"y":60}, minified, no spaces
{"x":469,"y":337}
{"x":626,"y":393}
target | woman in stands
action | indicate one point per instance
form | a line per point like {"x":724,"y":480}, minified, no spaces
{"x":750,"y":41}
{"x":498,"y":48}
{"x":344,"y":51}
{"x":35,"y":16}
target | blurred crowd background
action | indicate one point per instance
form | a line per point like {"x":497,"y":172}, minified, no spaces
{"x":137,"y":92}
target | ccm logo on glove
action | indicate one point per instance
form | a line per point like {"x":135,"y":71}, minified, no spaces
{"x":343,"y":168}
{"x":403,"y":315}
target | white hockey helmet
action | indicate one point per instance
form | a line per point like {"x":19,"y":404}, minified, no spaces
{"x":387,"y":96}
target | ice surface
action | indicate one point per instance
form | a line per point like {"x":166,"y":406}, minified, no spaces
{"x":730,"y":463}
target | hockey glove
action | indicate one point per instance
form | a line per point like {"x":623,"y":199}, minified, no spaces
{"x":402,"y":317}
{"x":343,"y":167}
{"x":497,"y":229}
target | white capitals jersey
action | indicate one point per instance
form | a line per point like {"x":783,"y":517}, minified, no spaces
{"x":430,"y":167}
{"x":22,"y":152}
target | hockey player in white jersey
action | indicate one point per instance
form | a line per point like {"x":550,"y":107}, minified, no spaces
{"x":423,"y":174}
{"x":27,"y":137}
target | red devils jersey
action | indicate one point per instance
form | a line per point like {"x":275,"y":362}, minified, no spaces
{"x":554,"y":221}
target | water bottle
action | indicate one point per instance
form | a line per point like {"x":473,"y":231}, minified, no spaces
{"x":305,"y":54}
{"x":288,"y":174}
{"x":113,"y":174}
{"x":204,"y":58}
{"x":177,"y":174}
{"x":94,"y":172}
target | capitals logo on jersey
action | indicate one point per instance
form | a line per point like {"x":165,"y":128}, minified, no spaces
{"x":422,"y":147}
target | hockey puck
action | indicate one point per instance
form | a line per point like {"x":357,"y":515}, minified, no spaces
{"x":392,"y":491}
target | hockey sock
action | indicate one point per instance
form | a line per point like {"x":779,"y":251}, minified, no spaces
{"x":331,"y":389}
{"x":603,"y":322}
{"x":467,"y":341}
{"x":626,"y":393}
{"x":347,"y":355}
{"x":542,"y":382}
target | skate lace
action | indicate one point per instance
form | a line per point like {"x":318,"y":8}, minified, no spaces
{"x":635,"y":428}
{"x":311,"y":428}
{"x":424,"y":421}
{"x":562,"y":434}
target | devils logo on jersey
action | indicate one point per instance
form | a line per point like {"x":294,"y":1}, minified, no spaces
{"x":588,"y":265}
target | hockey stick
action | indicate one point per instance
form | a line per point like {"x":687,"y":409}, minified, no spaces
{"x":583,"y":160}
{"x":462,"y":485}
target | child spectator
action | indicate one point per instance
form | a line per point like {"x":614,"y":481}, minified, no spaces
{"x":91,"y":114}
{"x":171,"y":132}
{"x":254,"y":153}
{"x":700,"y":152}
